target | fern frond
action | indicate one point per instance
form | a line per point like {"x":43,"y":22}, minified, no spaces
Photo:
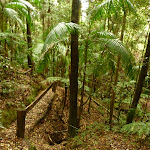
{"x":60,"y":32}
{"x":5,"y":35}
{"x":115,"y":46}
{"x":105,"y":35}
{"x":13,"y":14}
{"x":131,"y":7}
{"x":142,"y":129}
{"x":111,"y":6}
{"x":103,"y":9}
{"x":57,"y":34}
{"x":126,"y":56}
{"x":15,"y":5}
{"x":29,"y":5}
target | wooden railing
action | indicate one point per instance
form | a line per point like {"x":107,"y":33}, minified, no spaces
{"x":21,"y":113}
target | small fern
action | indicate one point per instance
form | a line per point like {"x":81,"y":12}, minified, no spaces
{"x":140,"y":128}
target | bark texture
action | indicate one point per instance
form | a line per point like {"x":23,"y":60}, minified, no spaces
{"x":73,"y":124}
{"x":139,"y":86}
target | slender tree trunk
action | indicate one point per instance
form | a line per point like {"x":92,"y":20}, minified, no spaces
{"x":29,"y":40}
{"x":73,"y":124}
{"x":82,"y":92}
{"x":139,"y":86}
{"x":113,"y":92}
{"x":48,"y":22}
{"x":116,"y":73}
{"x":43,"y":22}
{"x":2,"y":18}
{"x":1,"y":24}
{"x":123,"y":26}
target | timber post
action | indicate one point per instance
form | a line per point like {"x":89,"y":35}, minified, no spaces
{"x":21,"y":114}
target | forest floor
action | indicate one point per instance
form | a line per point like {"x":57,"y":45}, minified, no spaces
{"x":47,"y":122}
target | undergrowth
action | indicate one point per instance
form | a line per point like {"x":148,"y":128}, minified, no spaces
{"x":88,"y":137}
{"x":142,"y":129}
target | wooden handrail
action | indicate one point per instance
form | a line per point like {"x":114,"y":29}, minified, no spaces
{"x":21,"y":113}
{"x":29,"y":107}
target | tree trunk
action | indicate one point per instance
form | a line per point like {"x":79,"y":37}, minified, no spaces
{"x":73,"y":124}
{"x":29,"y":40}
{"x":116,"y":73}
{"x":49,"y":11}
{"x":82,"y":92}
{"x":113,"y":92}
{"x":139,"y":86}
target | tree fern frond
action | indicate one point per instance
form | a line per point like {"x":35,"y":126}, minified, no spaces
{"x":15,"y":5}
{"x":60,"y":32}
{"x":111,"y":6}
{"x":29,"y":5}
{"x":102,"y":9}
{"x":56,"y":34}
{"x":5,"y":35}
{"x":13,"y":14}
{"x":116,"y":47}
{"x":105,"y":34}
{"x":131,"y":7}
{"x":62,"y":49}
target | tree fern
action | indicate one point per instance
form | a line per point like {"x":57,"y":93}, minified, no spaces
{"x":6,"y":35}
{"x":115,"y":46}
{"x":102,"y":9}
{"x":142,"y":129}
{"x":15,"y":5}
{"x":111,"y":6}
{"x":57,"y":34}
{"x":26,"y":3}
{"x":9,"y":12}
{"x":60,"y":32}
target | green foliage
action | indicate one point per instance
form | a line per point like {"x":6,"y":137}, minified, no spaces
{"x":142,"y":129}
{"x":109,"y":7}
{"x":59,"y":33}
{"x":7,"y":35}
{"x":56,"y":35}
{"x":125,"y":90}
{"x":1,"y":126}
{"x":105,"y":58}
{"x":8,"y":87}
{"x":55,"y":79}
{"x":64,"y":80}
{"x":9,"y":12}
{"x":89,"y":137}
{"x":8,"y":116}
